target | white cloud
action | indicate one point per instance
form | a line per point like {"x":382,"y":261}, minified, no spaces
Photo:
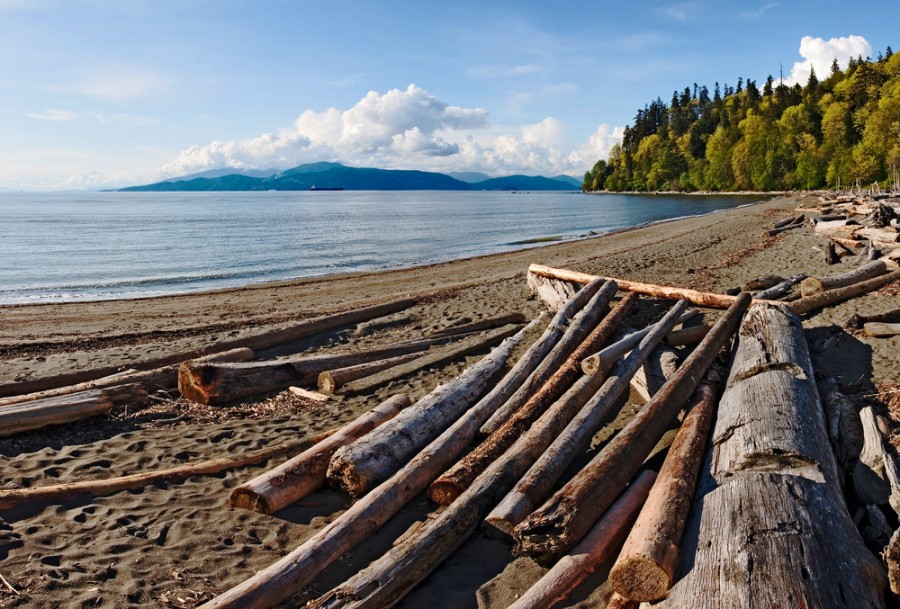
{"x":680,"y":11}
{"x":597,"y":146}
{"x":820,"y":54}
{"x":67,"y":116}
{"x":756,"y":14}
{"x":50,"y":114}
{"x":120,"y":85}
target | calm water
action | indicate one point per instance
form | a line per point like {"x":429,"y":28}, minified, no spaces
{"x":58,"y":247}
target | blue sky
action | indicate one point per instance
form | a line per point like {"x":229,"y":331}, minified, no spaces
{"x":100,"y":93}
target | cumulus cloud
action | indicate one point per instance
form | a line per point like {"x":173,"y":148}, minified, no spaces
{"x":819,"y":54}
{"x":405,"y":129}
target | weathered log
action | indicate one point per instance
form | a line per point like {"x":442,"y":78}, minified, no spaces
{"x":831,"y":255}
{"x":159,"y":378}
{"x":478,"y":326}
{"x":360,"y":466}
{"x":566,"y":516}
{"x":814,"y":285}
{"x":287,"y":576}
{"x":851,"y":244}
{"x":831,"y":228}
{"x":844,"y":426}
{"x":306,"y":394}
{"x":433,"y":357}
{"x":595,"y":549}
{"x":331,"y":380}
{"x":881,"y":235}
{"x":541,"y":477}
{"x":762,"y":283}
{"x":780,"y":290}
{"x":553,"y":292}
{"x":35,"y":414}
{"x":301,"y":475}
{"x":881,"y":330}
{"x":775,"y":231}
{"x":876,"y":476}
{"x":261,"y":341}
{"x":892,"y":559}
{"x":784,"y":222}
{"x":769,"y":505}
{"x":704,"y":299}
{"x":576,"y":330}
{"x":452,"y":483}
{"x":647,"y":562}
{"x":57,"y":493}
{"x":687,"y":336}
{"x":661,"y":365}
{"x":829,"y":297}
{"x":218,"y":383}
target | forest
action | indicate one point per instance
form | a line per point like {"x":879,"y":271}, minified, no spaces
{"x":838,"y":132}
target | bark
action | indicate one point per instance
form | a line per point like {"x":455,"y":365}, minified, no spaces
{"x":452,"y":483}
{"x":537,"y":484}
{"x":769,"y":525}
{"x":332,"y":380}
{"x":814,"y":285}
{"x":159,"y":378}
{"x":57,"y":493}
{"x":287,"y":576}
{"x":220,"y":383}
{"x":892,"y":559}
{"x":780,"y":290}
{"x":563,"y":520}
{"x":434,"y":357}
{"x":829,"y":297}
{"x":647,"y":562}
{"x":594,"y":550}
{"x":574,"y":332}
{"x":261,"y":341}
{"x":704,"y":299}
{"x":35,"y":414}
{"x":478,"y":326}
{"x":362,"y":465}
{"x":301,"y":475}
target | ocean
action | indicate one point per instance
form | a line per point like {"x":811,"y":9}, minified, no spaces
{"x":57,"y":247}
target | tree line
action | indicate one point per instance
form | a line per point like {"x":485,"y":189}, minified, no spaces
{"x":836,"y":132}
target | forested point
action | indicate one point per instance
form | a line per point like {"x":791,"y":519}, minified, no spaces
{"x":838,"y":132}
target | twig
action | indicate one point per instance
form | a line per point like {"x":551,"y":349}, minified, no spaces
{"x":9,"y":585}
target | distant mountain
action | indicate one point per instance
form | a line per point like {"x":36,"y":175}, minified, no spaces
{"x":573,"y":181}
{"x":225,"y":171}
{"x":472,"y":177}
{"x":336,"y":176}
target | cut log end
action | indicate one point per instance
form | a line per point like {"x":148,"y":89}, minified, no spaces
{"x":248,"y":499}
{"x":342,"y":476}
{"x":326,"y":383}
{"x":640,"y":579}
{"x":192,"y":387}
{"x":444,"y":492}
{"x":591,"y":364}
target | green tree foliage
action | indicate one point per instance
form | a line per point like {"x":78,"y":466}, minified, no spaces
{"x":839,"y":131}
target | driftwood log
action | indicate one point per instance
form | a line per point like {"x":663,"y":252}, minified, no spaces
{"x":537,"y":484}
{"x":687,"y":336}
{"x":301,"y":475}
{"x":35,"y":414}
{"x":561,"y":522}
{"x":360,"y":466}
{"x":594,"y":550}
{"x":661,"y":365}
{"x":814,"y":285}
{"x":829,"y":297}
{"x":647,"y":562}
{"x":881,"y":330}
{"x":478,"y":326}
{"x":770,"y":511}
{"x":452,"y":483}
{"x":780,"y":290}
{"x":287,"y":576}
{"x":332,"y":380}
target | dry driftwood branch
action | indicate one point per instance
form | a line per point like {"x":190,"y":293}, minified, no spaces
{"x":594,"y":550}
{"x":823,"y":299}
{"x":10,"y":498}
{"x":453,"y":482}
{"x":540,"y":479}
{"x":563,"y":520}
{"x":814,"y":285}
{"x":300,"y":475}
{"x":781,"y":289}
{"x":365,"y":463}
{"x":647,"y":562}
{"x":287,"y":576}
{"x":35,"y":414}
{"x":769,"y":510}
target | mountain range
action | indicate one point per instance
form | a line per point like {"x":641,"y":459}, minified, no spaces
{"x":334,"y":176}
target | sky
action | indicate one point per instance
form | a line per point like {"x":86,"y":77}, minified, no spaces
{"x":108,"y":93}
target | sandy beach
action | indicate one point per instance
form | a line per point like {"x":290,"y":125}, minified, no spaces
{"x":177,"y":545}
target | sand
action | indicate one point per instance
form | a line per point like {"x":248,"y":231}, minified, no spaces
{"x":175,"y":545}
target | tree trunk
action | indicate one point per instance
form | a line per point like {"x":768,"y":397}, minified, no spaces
{"x":362,"y":465}
{"x":563,"y":520}
{"x":478,"y":326}
{"x":647,"y":562}
{"x":433,"y":357}
{"x":287,"y":576}
{"x":575,"y":330}
{"x":57,"y":493}
{"x":687,"y":336}
{"x":262,"y":341}
{"x":35,"y":414}
{"x":553,"y":292}
{"x":594,"y":550}
{"x":332,"y":380}
{"x":780,"y":290}
{"x":814,"y":285}
{"x":823,"y":299}
{"x":704,"y":299}
{"x":538,"y":483}
{"x":299,"y":476}
{"x":769,"y":525}
{"x":452,"y":483}
{"x":219,"y":383}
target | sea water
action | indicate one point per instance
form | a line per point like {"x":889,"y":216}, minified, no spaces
{"x":57,"y":247}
